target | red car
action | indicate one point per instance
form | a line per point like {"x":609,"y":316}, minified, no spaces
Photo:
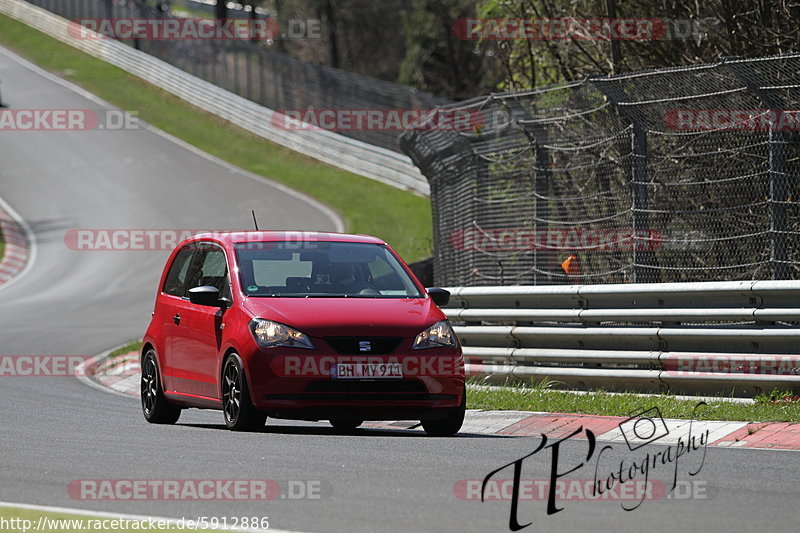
{"x":303,"y":326}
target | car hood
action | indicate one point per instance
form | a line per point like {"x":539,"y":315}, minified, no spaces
{"x":322,"y":317}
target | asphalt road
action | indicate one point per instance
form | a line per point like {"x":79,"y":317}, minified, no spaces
{"x":58,"y":430}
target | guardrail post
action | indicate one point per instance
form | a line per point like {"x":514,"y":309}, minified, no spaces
{"x":778,"y":171}
{"x":644,"y":261}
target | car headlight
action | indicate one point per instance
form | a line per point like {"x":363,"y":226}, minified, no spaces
{"x":439,"y":334}
{"x":268,"y":333}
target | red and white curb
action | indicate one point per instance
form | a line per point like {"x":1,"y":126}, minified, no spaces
{"x":16,"y":253}
{"x":122,"y":375}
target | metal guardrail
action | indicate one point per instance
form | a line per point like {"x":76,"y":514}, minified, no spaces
{"x":352,"y":155}
{"x":737,"y":338}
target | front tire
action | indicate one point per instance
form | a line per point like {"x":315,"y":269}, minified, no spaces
{"x":237,"y":408}
{"x":445,"y":427}
{"x":155,"y":407}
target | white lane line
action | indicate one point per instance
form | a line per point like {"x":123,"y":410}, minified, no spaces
{"x":330,"y":213}
{"x":32,"y":244}
{"x":105,"y":514}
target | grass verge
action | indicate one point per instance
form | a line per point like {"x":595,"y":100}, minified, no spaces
{"x":401,"y":218}
{"x":773,"y":407}
{"x":133,"y":346}
{"x":22,"y":520}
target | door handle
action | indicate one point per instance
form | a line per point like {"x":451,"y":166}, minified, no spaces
{"x":177,"y":319}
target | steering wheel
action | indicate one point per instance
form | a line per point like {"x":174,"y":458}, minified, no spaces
{"x":369,"y":291}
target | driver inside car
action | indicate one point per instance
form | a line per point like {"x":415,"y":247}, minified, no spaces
{"x":345,"y":277}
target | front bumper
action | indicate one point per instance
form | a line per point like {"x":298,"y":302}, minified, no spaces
{"x":298,"y":384}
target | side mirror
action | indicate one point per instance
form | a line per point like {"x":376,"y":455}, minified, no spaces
{"x":439,"y":296}
{"x":205,"y":295}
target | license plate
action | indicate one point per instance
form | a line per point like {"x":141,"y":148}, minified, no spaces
{"x":366,"y":370}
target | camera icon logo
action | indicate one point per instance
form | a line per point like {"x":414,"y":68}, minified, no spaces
{"x":643,"y":428}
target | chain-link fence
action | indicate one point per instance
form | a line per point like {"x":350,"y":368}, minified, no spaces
{"x":681,"y":174}
{"x":255,"y":71}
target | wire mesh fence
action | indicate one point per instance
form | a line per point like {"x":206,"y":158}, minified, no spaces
{"x":681,"y":174}
{"x":253,"y":70}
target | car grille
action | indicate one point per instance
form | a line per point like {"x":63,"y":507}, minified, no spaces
{"x":361,"y":397}
{"x":366,"y":386}
{"x":356,"y":345}
{"x":364,"y":391}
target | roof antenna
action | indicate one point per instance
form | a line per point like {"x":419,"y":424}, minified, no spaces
{"x":254,"y":218}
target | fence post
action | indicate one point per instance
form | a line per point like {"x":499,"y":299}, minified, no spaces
{"x":542,"y":258}
{"x":138,"y":13}
{"x":262,"y":84}
{"x":644,"y":261}
{"x":778,"y":172}
{"x":480,"y":266}
{"x":536,"y":132}
{"x":247,"y":50}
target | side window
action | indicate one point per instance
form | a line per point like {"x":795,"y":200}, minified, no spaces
{"x":209,"y":268}
{"x":175,"y":284}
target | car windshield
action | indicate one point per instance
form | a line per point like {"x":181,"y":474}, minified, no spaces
{"x":322,"y":270}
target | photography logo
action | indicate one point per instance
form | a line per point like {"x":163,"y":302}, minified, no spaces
{"x":629,"y":480}
{"x":643,"y":428}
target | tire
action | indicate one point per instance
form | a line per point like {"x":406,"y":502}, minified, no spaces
{"x":237,"y":408}
{"x":155,"y":407}
{"x":345,"y":425}
{"x":445,"y":427}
